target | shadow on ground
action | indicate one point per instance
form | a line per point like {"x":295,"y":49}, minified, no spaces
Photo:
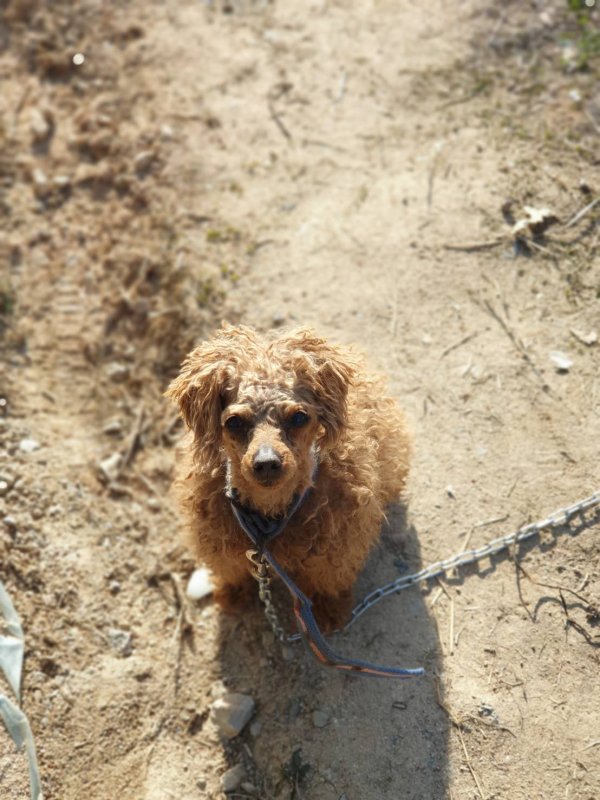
{"x":325,"y":735}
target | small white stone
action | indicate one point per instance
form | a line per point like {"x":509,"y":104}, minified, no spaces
{"x":199,"y":584}
{"x":28,"y":445}
{"x":561,"y":361}
{"x":153,"y":504}
{"x":110,"y":467}
{"x":586,"y":338}
{"x":41,"y":186}
{"x":39,"y":124}
{"x":116,"y":372}
{"x":61,"y":181}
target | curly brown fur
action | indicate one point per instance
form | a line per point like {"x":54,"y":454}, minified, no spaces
{"x":261,"y":413}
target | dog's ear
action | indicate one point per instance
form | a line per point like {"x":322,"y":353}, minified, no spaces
{"x":204,"y":386}
{"x":326,"y":372}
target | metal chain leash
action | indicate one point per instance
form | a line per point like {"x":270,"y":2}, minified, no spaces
{"x":261,"y":573}
{"x":558,"y":519}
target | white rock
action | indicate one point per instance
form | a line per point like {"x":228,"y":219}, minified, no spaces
{"x":561,"y":361}
{"x":61,"y":181}
{"x":231,"y":780}
{"x":199,"y":584}
{"x":41,"y":186}
{"x":28,"y":445}
{"x":116,"y":372}
{"x":39,"y":124}
{"x":231,"y":713}
{"x":153,"y":504}
{"x":586,"y":338}
{"x":110,"y":467}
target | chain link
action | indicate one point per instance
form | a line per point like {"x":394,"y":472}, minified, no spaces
{"x":261,"y":573}
{"x":558,"y":519}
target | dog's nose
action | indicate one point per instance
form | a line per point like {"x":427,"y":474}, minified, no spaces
{"x":266,"y":464}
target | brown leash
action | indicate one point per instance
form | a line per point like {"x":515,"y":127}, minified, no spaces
{"x":261,"y":530}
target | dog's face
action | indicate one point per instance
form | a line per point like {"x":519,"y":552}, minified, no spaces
{"x":266,"y":407}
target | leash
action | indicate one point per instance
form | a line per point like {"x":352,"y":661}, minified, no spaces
{"x":253,"y":525}
{"x":262,"y":559}
{"x":558,"y":519}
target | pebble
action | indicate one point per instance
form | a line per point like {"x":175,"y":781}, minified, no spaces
{"x":321,"y":718}
{"x":231,"y":713}
{"x":586,"y":338}
{"x":278,"y":319}
{"x":166,"y":132}
{"x":55,"y":510}
{"x":10,"y":522}
{"x":121,"y":641}
{"x":199,"y":584}
{"x":61,"y":181}
{"x":231,"y":780}
{"x":40,"y":124}
{"x":561,"y":361}
{"x":4,"y":487}
{"x":113,"y":428}
{"x":41,"y":186}
{"x":28,"y":445}
{"x":154,"y":504}
{"x":288,"y":653}
{"x":256,"y":728}
{"x":143,"y":161}
{"x":116,"y":372}
{"x":110,"y":467}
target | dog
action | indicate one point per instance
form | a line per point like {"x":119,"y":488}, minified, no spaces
{"x":275,"y":419}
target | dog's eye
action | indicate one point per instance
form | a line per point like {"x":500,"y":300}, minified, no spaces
{"x":298,"y":419}
{"x":235,"y":424}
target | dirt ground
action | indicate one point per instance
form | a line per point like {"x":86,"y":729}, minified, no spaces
{"x":358,"y":168}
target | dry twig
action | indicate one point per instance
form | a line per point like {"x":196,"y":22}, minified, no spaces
{"x":517,"y":343}
{"x":581,"y":214}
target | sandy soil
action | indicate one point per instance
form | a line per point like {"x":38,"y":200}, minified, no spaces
{"x":354,"y":168}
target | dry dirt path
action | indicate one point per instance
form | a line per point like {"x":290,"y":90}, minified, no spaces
{"x":326,"y":162}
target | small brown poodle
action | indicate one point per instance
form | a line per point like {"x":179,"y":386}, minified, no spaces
{"x":272,"y":419}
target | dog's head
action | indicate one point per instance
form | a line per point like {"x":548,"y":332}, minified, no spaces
{"x":267,"y":406}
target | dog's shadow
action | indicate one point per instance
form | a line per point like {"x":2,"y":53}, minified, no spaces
{"x":322,"y":734}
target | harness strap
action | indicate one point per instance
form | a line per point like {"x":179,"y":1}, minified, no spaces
{"x":260,"y":530}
